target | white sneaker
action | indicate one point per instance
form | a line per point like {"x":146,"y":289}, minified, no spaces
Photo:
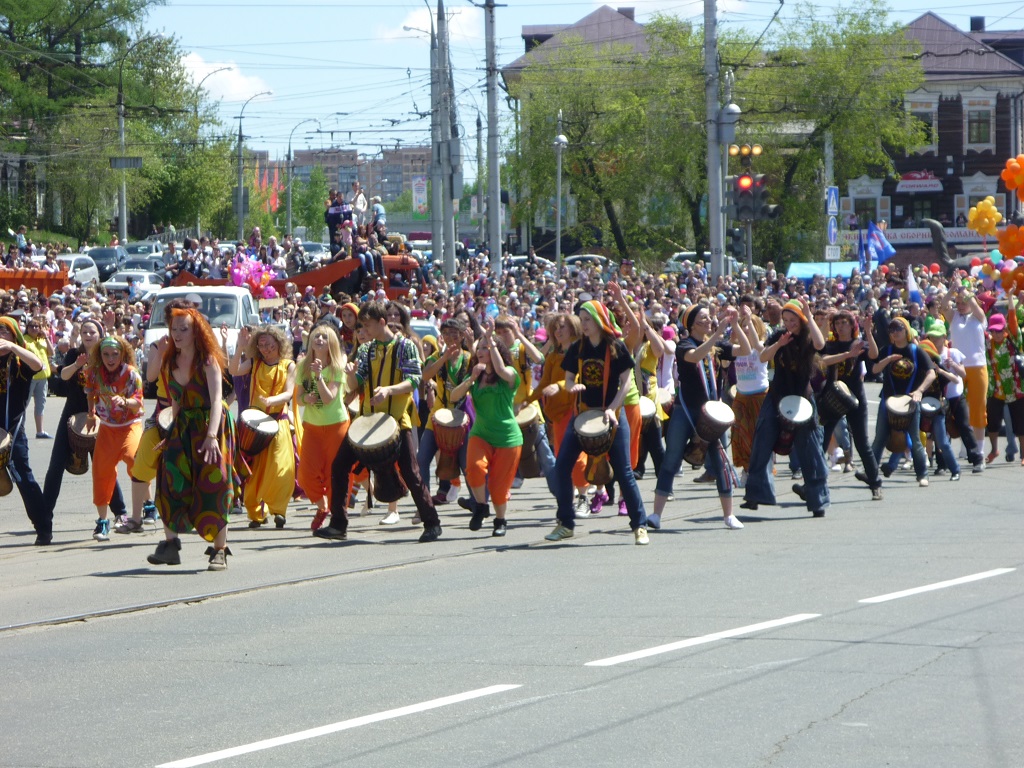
{"x":923,"y":482}
{"x":365,"y":509}
{"x":581,"y":506}
{"x":517,"y":482}
{"x":733,"y":523}
{"x":453,"y":494}
{"x":391,"y":518}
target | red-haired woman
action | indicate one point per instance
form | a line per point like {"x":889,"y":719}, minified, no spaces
{"x":195,"y":486}
{"x":114,"y":390}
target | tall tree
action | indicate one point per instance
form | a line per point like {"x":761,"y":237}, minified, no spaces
{"x":308,"y":203}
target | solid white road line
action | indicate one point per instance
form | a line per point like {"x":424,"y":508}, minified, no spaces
{"x":344,"y":725}
{"x":701,"y":640}
{"x":937,"y":585}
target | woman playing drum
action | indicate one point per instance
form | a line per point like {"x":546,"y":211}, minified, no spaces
{"x":272,"y":374}
{"x":495,"y":441}
{"x":696,"y":360}
{"x":195,"y":487}
{"x":114,"y":389}
{"x":324,"y":418}
{"x":794,"y":348}
{"x":751,"y":389}
{"x":844,"y":355}
{"x":599,"y":369}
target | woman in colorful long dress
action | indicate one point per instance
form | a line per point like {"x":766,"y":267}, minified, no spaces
{"x":324,"y":416}
{"x":271,"y":480}
{"x":114,"y":390}
{"x":195,"y":488}
{"x":1005,"y":388}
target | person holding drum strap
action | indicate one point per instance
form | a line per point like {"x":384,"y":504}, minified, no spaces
{"x":271,"y":371}
{"x":73,"y":374}
{"x":447,"y":369}
{"x":943,"y":449}
{"x":495,"y":440}
{"x":794,"y":350}
{"x":388,"y":369}
{"x":324,"y":415}
{"x":696,"y":360}
{"x":195,"y":485}
{"x":17,"y":367}
{"x":563,"y":331}
{"x":114,"y":389}
{"x":905,"y":370}
{"x":1003,"y":347}
{"x":599,"y":369}
{"x":844,"y":356}
{"x":751,"y":389}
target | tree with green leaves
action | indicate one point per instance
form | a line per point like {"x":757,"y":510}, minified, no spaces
{"x":308,"y":203}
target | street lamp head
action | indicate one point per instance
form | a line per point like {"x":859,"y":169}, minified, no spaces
{"x":560,"y":142}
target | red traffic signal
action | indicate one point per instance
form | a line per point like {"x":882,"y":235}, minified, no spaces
{"x":744,"y":182}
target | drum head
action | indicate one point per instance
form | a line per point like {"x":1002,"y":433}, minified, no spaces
{"x":720,"y":413}
{"x":452,"y":418}
{"x":5,"y":440}
{"x":374,"y":430}
{"x":930,"y":405}
{"x":165,"y":419}
{"x":527,"y":415}
{"x":79,"y":424}
{"x":647,"y":408}
{"x":843,"y":389}
{"x":591,"y":424}
{"x":796,"y":409}
{"x":665,"y":397}
{"x":257,"y":420}
{"x":899,"y":404}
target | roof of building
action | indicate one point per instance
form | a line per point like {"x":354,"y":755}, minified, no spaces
{"x":949,"y":53}
{"x":604,"y":27}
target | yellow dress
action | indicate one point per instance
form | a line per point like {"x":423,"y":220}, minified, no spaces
{"x":273,"y":471}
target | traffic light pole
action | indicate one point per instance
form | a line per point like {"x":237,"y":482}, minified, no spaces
{"x":750,"y":251}
{"x":716,"y":228}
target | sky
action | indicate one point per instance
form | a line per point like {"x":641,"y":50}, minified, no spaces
{"x":320,"y":58}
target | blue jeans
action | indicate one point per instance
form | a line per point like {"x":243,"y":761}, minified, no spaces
{"x":31,"y":495}
{"x":680,"y":428}
{"x":857,"y":425}
{"x":913,"y":432}
{"x":618,"y":457}
{"x":428,"y":450}
{"x":942,"y":444}
{"x":545,"y":457}
{"x":760,"y":487}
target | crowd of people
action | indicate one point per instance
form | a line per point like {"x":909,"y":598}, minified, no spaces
{"x":580,"y":378}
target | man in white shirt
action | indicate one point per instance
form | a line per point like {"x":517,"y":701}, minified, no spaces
{"x":359,"y":204}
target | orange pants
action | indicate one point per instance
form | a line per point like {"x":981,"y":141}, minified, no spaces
{"x":579,"y":469}
{"x":113,"y":445}
{"x":320,"y":445}
{"x":636,"y":421}
{"x":494,"y":466}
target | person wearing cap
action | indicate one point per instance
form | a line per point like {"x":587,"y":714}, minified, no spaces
{"x":966,"y":319}
{"x":598,"y":369}
{"x":1003,"y":350}
{"x":794,"y":349}
{"x":905,"y":370}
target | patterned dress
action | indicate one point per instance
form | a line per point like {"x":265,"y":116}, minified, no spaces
{"x":191,"y":493}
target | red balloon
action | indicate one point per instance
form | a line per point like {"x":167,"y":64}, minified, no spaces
{"x":934,"y":268}
{"x":975,"y":262}
{"x":885,"y":269}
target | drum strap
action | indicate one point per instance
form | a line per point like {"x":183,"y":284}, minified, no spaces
{"x":913,"y":369}
{"x":392,"y":349}
{"x":607,"y":373}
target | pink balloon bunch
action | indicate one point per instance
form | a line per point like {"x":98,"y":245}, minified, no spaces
{"x":254,"y":275}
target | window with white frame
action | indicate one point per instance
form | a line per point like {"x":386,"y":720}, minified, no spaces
{"x":924,"y":106}
{"x":979,"y":110}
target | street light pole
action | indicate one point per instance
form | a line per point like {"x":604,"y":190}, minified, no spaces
{"x":199,"y":88}
{"x":122,"y":192}
{"x":239,"y":196}
{"x":289,"y":215}
{"x":560,"y":144}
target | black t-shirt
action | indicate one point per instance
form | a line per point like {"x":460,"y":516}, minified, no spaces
{"x":792,"y":374}
{"x":587,"y":362}
{"x":15,"y":383}
{"x":74,"y":388}
{"x":901,"y":377}
{"x":696,"y":380}
{"x":847,"y":371}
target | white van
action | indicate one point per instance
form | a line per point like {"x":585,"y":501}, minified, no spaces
{"x":222,"y":305}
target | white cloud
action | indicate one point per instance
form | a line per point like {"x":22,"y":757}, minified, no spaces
{"x":464,"y":24}
{"x":228,"y":85}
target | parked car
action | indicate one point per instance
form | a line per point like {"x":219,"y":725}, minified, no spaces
{"x":81,"y":267}
{"x":144,"y":248}
{"x":108,"y":259}
{"x":144,"y":264}
{"x":522,"y":261}
{"x":583,"y":260}
{"x":147,"y":284}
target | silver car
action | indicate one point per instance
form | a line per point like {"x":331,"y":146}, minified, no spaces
{"x":146,"y":283}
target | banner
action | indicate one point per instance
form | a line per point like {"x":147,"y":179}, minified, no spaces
{"x":420,"y":207}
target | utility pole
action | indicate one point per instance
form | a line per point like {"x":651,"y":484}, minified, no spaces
{"x":288,"y":216}
{"x":714,"y":159}
{"x":436,"y":175}
{"x":560,"y":144}
{"x":448,"y":222}
{"x":240,"y":195}
{"x":493,"y":170}
{"x":480,"y":178}
{"x":199,"y":93}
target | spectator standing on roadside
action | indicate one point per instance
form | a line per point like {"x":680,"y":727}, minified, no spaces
{"x":37,"y":341}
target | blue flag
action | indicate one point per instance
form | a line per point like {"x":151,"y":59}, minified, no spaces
{"x":879,"y":248}
{"x":862,"y":252}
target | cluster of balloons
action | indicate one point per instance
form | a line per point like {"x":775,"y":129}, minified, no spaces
{"x":1013,"y":175}
{"x":254,"y":275}
{"x":1006,"y":272}
{"x":1011,"y":241}
{"x":983,"y":218}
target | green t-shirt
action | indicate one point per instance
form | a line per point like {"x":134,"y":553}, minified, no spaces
{"x":320,"y":414}
{"x":495,"y":421}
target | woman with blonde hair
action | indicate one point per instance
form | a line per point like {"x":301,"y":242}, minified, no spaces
{"x":271,"y":374}
{"x":751,"y":390}
{"x":325,"y":419}
{"x":114,"y":390}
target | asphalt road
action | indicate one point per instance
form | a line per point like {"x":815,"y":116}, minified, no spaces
{"x":794,"y":642}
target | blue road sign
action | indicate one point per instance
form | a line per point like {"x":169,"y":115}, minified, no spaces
{"x":833,"y":230}
{"x":831,"y":201}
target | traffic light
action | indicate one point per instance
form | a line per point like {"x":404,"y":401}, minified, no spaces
{"x":737,"y":244}
{"x":743,"y":196}
{"x":729,"y":193}
{"x":763,"y":210}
